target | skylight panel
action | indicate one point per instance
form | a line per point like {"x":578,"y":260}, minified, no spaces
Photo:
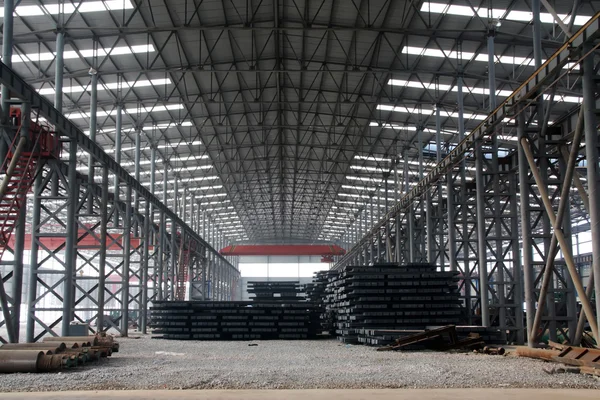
{"x":70,"y":8}
{"x":107,"y":86}
{"x":372,"y":158}
{"x":497,"y":13}
{"x":465,"y":55}
{"x":425,"y":111}
{"x":88,"y":53}
{"x":132,"y":110}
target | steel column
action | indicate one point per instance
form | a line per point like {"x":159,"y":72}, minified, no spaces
{"x":126,"y":264}
{"x":593,"y":168}
{"x":7,"y":53}
{"x":71,"y":241}
{"x":102,"y":255}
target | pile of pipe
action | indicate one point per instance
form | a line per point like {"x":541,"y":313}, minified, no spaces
{"x":55,"y":353}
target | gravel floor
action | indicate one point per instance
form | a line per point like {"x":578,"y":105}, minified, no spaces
{"x":147,"y":363}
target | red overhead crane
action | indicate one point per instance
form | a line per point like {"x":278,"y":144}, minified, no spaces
{"x":325,"y":251}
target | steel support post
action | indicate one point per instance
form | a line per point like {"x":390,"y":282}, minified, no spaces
{"x":481,"y":237}
{"x":451,"y":225}
{"x":388,"y":249}
{"x":71,"y":241}
{"x":19,"y":246}
{"x":38,"y":188}
{"x":59,"y":66}
{"x":440,"y":198}
{"x":176,"y":198}
{"x":499,"y":262}
{"x":137,"y":159}
{"x":17,"y":278}
{"x":527,"y":251}
{"x":517,"y":266}
{"x":102,"y":256}
{"x":93,"y":127}
{"x":173,"y":263}
{"x":118,"y":143}
{"x":204,"y":273}
{"x":126,"y":264}
{"x":7,"y":51}
{"x":593,"y":167}
{"x":146,"y":237}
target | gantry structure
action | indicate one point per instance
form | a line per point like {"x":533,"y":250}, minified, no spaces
{"x":402,"y":130}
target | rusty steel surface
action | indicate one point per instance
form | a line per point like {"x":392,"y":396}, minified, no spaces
{"x":579,"y":356}
{"x":542,"y":354}
{"x":93,"y":340}
{"x":20,"y":360}
{"x":54,"y":347}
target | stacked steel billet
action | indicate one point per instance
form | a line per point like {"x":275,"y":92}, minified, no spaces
{"x":276,"y":291}
{"x":370,"y":299}
{"x":234,"y":320}
{"x":317,"y":292}
{"x":55,"y":353}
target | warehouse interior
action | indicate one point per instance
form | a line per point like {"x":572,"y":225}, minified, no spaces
{"x":184,"y":180}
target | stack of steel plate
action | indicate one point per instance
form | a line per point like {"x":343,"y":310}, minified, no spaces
{"x":276,"y":291}
{"x":234,"y":320}
{"x":392,"y":297}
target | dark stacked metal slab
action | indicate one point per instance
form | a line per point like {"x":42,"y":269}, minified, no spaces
{"x":234,"y":320}
{"x":316,"y":292}
{"x":276,"y":291}
{"x":367,"y":300}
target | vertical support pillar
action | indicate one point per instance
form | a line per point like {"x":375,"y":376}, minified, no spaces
{"x":102,"y":255}
{"x":7,"y":50}
{"x":126,"y":264}
{"x":137,"y":159}
{"x":593,"y":168}
{"x":33,"y":263}
{"x":527,"y":252}
{"x":71,"y":241}
{"x":204,"y":273}
{"x":59,"y":66}
{"x":174,"y":253}
{"x":440,"y":205}
{"x":93,"y":127}
{"x":118,"y":141}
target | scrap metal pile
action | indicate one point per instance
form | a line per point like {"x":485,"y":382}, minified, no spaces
{"x":578,"y":359}
{"x":366,"y":300}
{"x":55,"y":353}
{"x":234,"y":320}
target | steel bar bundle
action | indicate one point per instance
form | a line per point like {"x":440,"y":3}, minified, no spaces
{"x":368,"y":299}
{"x":276,"y":291}
{"x":234,"y":320}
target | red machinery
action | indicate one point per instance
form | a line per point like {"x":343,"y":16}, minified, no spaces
{"x":20,"y":168}
{"x":327,"y":252}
